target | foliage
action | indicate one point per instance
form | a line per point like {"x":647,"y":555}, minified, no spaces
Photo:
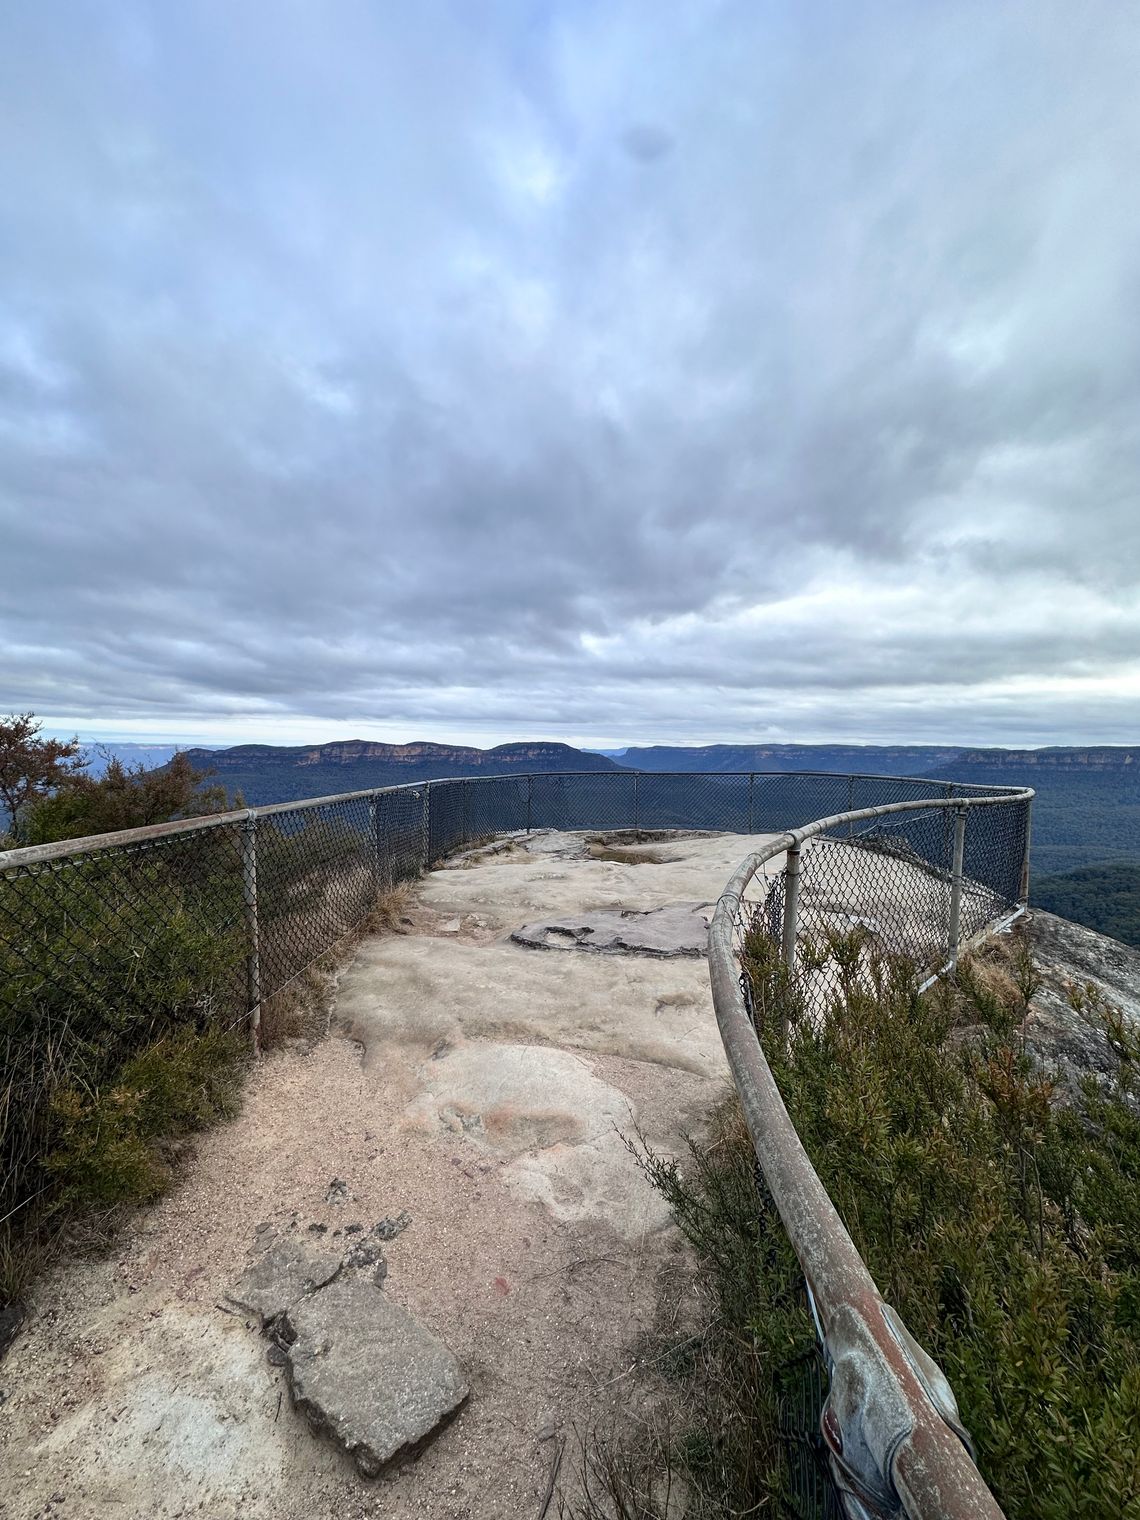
{"x":101,"y":961}
{"x":110,"y":1145}
{"x":124,"y":797}
{"x":30,"y":767}
{"x":1000,"y":1221}
{"x":1104,"y":897}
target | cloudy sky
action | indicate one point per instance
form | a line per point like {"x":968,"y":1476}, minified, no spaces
{"x":609,"y":370}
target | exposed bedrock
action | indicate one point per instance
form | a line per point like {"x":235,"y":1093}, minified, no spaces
{"x":680,"y":929}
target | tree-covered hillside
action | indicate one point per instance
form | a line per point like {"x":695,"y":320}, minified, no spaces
{"x":1087,"y":808}
{"x":1104,"y":897}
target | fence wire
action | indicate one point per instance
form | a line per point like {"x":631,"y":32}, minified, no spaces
{"x":105,"y":945}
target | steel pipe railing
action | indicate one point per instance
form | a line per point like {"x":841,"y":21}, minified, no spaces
{"x":890,"y":1421}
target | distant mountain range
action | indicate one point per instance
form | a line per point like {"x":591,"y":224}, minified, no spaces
{"x":1086,"y":814}
{"x":866,"y":759}
{"x":265,"y":773}
{"x":882,"y":759}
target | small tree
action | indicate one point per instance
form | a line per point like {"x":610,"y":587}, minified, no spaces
{"x":124,"y":797}
{"x":32,"y":768}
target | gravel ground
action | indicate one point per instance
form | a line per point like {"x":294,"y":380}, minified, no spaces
{"x":482,"y":1087}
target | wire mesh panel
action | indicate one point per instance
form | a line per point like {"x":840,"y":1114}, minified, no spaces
{"x":401,"y":830}
{"x":873,"y":895}
{"x":810,"y":1492}
{"x":318,"y":871}
{"x":995,"y":847}
{"x":885,"y":887}
{"x":496,"y":805}
{"x":693,"y":801}
{"x":585,"y":800}
{"x":445,"y":818}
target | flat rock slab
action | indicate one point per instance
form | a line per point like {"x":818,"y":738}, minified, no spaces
{"x":679,"y":929}
{"x":287,"y":1271}
{"x":364,"y":1372}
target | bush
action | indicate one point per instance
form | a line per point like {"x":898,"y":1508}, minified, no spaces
{"x":124,"y":797}
{"x":111,"y":1146}
{"x":119,"y":979}
{"x":1000,"y":1217}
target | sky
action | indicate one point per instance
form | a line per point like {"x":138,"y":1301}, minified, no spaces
{"x":615,"y":371}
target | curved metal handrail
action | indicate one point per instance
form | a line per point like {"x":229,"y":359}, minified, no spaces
{"x":891,"y":1421}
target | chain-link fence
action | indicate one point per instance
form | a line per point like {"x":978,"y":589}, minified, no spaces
{"x":915,"y":881}
{"x":106,"y":943}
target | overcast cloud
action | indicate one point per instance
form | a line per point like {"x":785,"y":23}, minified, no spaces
{"x":613,"y":371}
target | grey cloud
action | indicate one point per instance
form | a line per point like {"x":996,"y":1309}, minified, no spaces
{"x":348,"y":373}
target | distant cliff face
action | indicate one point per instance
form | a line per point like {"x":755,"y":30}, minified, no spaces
{"x":351,"y":751}
{"x":363,"y":751}
{"x":1098,"y":758}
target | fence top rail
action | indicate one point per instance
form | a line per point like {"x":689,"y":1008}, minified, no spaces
{"x":39,"y":854}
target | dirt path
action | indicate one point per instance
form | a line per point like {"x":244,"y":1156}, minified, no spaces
{"x":480,"y":1086}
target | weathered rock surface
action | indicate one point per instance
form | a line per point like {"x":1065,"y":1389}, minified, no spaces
{"x":364,"y":1372}
{"x":679,"y":929}
{"x":1070,"y":952}
{"x":1069,"y":957}
{"x":287,"y":1271}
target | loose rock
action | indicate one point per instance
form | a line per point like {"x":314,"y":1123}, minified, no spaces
{"x":365,"y":1373}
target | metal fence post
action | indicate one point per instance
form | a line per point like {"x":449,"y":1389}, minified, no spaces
{"x":636,"y":803}
{"x":425,"y":828}
{"x":466,"y":839}
{"x":374,"y":836}
{"x":1023,"y":889}
{"x":791,"y":905}
{"x":253,"y":935}
{"x":956,"y":883}
{"x":751,"y":797}
{"x":529,"y":798}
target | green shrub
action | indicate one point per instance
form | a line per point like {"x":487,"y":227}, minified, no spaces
{"x":999,"y":1215}
{"x":111,"y":1146}
{"x":119,"y":977}
{"x":1002,"y":1222}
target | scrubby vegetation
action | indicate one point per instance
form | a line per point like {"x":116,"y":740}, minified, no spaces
{"x":116,"y":1037}
{"x":998,"y":1215}
{"x":122,"y":981}
{"x":124,"y":989}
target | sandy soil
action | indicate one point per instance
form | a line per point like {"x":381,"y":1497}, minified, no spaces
{"x":481,"y":1086}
